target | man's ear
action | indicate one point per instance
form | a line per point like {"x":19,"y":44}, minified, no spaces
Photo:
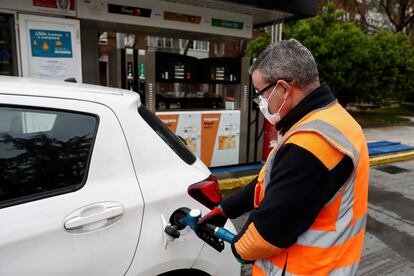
{"x":286,"y":86}
{"x":283,"y":84}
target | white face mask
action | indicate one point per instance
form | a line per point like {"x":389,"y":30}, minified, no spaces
{"x":264,"y":108}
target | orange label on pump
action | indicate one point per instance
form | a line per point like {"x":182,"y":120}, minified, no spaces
{"x":210,"y":124}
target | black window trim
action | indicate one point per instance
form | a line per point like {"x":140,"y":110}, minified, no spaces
{"x":61,"y":191}
{"x":175,"y":144}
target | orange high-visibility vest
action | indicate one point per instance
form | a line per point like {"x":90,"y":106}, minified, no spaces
{"x":334,"y":242}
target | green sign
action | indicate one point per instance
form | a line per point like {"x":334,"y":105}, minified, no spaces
{"x":227,"y":24}
{"x":141,"y":70}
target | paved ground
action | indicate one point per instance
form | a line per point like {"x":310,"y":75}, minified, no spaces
{"x":389,"y":242}
{"x":403,"y":134}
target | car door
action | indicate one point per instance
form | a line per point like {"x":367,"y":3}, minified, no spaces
{"x":70,"y":203}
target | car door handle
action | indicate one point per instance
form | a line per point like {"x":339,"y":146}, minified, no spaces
{"x":103,"y":214}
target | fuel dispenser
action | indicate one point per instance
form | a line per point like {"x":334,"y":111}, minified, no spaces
{"x":178,"y":84}
{"x":228,"y":78}
{"x":221,"y":76}
{"x":204,"y":101}
{"x":127,"y":70}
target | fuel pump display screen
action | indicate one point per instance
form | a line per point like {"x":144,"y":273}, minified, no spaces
{"x":220,"y":70}
{"x":179,"y":72}
{"x":175,"y":68}
{"x":219,"y":74}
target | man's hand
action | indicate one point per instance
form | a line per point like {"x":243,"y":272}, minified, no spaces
{"x":215,"y":217}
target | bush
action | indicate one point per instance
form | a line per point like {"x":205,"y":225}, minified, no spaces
{"x":359,"y":68}
{"x":392,"y":59}
{"x":257,"y":45}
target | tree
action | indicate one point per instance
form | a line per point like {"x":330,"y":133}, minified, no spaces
{"x":359,"y":68}
{"x":400,"y":14}
{"x":257,"y":45}
{"x":377,"y":15}
{"x":355,"y":11}
{"x":338,"y":50}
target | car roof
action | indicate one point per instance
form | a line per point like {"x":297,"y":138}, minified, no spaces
{"x":68,"y":90}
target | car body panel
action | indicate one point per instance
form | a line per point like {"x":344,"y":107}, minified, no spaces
{"x":48,"y":242}
{"x":131,"y":168}
{"x":215,"y":263}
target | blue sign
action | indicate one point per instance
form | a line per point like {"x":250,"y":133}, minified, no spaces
{"x":53,"y":44}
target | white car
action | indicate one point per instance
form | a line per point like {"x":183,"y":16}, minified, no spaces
{"x":88,"y":181}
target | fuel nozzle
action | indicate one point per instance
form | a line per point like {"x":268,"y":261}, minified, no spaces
{"x":192,"y":218}
{"x":177,"y":222}
{"x":211,"y":234}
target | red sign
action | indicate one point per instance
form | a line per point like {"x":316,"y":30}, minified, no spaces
{"x":56,"y":4}
{"x":269,"y":139}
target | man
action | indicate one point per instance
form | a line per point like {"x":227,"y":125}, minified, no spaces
{"x":309,"y":203}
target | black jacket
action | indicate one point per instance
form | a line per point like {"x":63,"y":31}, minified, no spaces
{"x":299,"y":187}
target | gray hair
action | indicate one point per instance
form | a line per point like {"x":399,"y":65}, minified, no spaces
{"x":287,"y":60}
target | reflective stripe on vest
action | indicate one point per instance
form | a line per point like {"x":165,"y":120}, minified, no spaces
{"x":281,"y":141}
{"x":270,"y":269}
{"x":346,"y":225}
{"x":327,"y":239}
{"x":317,"y":237}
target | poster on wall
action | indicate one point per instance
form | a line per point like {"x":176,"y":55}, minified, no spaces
{"x":209,"y":129}
{"x":220,"y":138}
{"x":50,"y":43}
{"x":214,"y":137}
{"x":187,"y":126}
{"x":52,"y":48}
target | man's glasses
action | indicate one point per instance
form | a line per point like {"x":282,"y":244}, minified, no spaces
{"x":255,"y":97}
{"x":260,"y":92}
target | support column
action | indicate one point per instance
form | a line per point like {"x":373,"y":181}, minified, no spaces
{"x":90,"y":55}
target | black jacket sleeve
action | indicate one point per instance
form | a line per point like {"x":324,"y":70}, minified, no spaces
{"x":240,"y":202}
{"x":300,"y":186}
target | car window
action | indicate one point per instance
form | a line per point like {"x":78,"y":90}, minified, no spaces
{"x":42,"y":152}
{"x":167,"y":135}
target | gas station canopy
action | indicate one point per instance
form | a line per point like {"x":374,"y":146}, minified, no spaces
{"x":212,"y":20}
{"x":264,"y":12}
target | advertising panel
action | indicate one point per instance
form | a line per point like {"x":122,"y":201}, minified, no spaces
{"x":50,"y":47}
{"x":187,"y":126}
{"x":50,"y":43}
{"x":213,"y":136}
{"x":221,"y":138}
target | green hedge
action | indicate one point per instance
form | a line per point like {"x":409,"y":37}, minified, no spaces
{"x":359,"y":68}
{"x":257,"y":46}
